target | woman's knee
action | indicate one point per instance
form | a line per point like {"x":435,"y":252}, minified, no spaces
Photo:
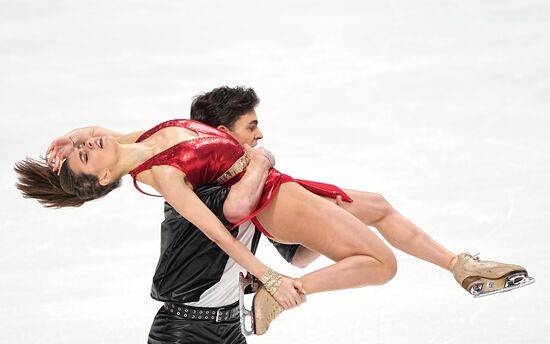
{"x":380,"y":207}
{"x":377,"y":270}
{"x":389,"y":269}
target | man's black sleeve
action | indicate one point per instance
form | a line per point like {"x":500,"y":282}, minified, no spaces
{"x":212,"y":196}
{"x":189,"y":261}
{"x":286,"y":251}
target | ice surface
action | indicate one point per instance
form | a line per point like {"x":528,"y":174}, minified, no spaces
{"x":441,"y":106}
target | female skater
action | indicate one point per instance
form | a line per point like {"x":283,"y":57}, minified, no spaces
{"x":177,"y":156}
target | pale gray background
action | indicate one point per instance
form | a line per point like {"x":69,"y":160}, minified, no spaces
{"x":441,"y":106}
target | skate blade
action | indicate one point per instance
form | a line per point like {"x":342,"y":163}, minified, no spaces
{"x":512,"y":282}
{"x":243,"y":311}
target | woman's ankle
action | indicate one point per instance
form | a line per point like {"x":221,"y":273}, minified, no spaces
{"x":452,"y":263}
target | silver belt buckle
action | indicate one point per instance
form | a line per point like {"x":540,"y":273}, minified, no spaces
{"x":219,"y":314}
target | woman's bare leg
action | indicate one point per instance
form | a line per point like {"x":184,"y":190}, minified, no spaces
{"x":296,"y":215}
{"x":373,"y":210}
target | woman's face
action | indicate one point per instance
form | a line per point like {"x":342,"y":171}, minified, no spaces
{"x":96,"y":156}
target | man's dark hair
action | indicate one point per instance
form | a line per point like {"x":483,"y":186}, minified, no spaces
{"x":223,"y":105}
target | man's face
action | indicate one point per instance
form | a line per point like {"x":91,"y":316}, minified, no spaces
{"x":245,"y":130}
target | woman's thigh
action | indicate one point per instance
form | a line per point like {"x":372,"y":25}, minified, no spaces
{"x":299,"y":216}
{"x":369,"y":207}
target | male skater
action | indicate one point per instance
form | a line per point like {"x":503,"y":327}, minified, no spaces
{"x":195,"y":279}
{"x":194,"y":275}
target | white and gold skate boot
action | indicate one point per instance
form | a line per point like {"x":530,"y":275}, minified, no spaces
{"x":483,"y":277}
{"x":264,"y":309}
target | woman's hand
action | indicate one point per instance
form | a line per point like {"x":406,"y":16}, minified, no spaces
{"x":259,"y":154}
{"x":59,"y":150}
{"x":290,"y":293}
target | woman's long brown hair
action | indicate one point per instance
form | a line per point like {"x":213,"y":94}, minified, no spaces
{"x":38,"y":180}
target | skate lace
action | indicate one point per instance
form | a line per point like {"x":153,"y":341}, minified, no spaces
{"x":474,"y":257}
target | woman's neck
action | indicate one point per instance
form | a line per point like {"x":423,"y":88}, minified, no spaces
{"x":132,"y":155}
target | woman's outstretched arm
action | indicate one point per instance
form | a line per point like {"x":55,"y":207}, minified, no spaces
{"x":171,"y":184}
{"x":62,"y":146}
{"x":80,"y":135}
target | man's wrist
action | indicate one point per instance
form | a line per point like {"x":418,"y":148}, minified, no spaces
{"x":260,"y":160}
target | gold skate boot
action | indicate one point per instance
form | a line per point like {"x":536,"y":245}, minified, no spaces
{"x":483,"y":277}
{"x":264,"y":308}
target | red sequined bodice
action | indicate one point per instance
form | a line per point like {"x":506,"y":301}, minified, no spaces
{"x":202,"y":159}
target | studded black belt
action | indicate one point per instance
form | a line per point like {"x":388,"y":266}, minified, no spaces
{"x":227,"y":313}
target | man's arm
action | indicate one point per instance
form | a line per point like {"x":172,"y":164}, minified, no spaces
{"x":244,"y":195}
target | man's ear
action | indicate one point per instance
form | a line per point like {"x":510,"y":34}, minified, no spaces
{"x":223,"y":128}
{"x":105,"y":178}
